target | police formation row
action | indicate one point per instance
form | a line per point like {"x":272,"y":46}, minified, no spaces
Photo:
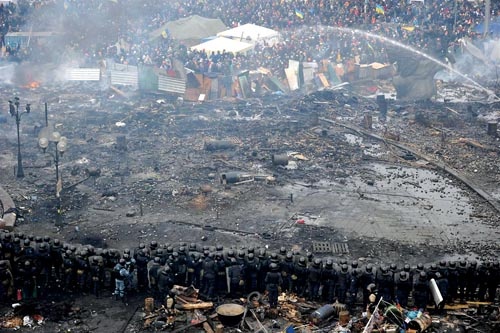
{"x":32,"y":267}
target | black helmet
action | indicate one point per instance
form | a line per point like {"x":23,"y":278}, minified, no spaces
{"x":317,"y":263}
{"x":159,"y":252}
{"x":433,"y":267}
{"x":57,"y":242}
{"x":251,"y":256}
{"x":473,"y":263}
{"x":343,"y":262}
{"x":369,"y":268}
{"x":354,"y":264}
{"x":192,"y":247}
{"x":38,"y":239}
{"x":289,"y":256}
{"x":262,"y":253}
{"x":384,"y":269}
{"x":251,"y":249}
{"x":230,"y":253}
{"x":403,"y":276}
{"x":452,"y":264}
{"x":273,"y":266}
{"x":329,"y":263}
{"x":344,"y":268}
{"x":406,"y":268}
{"x":68,"y":252}
{"x":393,"y":267}
{"x":122,"y":261}
{"x":26,"y":242}
{"x":274,"y":256}
{"x":282,"y":250}
{"x":43,"y":247}
{"x":206,"y":253}
{"x":170,"y":249}
{"x":219,"y":248}
{"x":31,"y":237}
{"x":420,"y":266}
{"x":241,"y":254}
{"x":175,"y":254}
{"x":463,"y":263}
{"x":153,"y":244}
{"x":17,"y":240}
{"x":183,"y":244}
{"x":182,"y":249}
{"x":126,"y":251}
{"x":126,"y":256}
{"x":302,"y":261}
{"x":46,"y":239}
{"x":438,"y":275}
{"x":423,"y":274}
{"x":142,"y":245}
{"x":442,"y":263}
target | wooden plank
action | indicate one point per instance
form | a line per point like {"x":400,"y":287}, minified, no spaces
{"x":323,"y":80}
{"x":208,"y":328}
{"x":192,"y":306}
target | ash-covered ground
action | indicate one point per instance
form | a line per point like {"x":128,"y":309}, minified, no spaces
{"x":159,"y":179}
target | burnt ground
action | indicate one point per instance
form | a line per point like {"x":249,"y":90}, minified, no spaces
{"x":158,"y":180}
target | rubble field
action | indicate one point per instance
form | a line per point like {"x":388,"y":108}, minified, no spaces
{"x":321,"y":173}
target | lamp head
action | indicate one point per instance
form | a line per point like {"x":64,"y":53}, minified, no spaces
{"x":43,"y":143}
{"x":28,"y":108}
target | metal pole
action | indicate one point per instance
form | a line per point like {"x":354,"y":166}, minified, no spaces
{"x":20,"y":171}
{"x":46,"y":116}
{"x":56,"y":160}
{"x":487,"y":10}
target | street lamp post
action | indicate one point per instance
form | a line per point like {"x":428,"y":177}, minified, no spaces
{"x":14,"y":112}
{"x":46,"y":136}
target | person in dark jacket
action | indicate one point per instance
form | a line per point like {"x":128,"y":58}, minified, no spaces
{"x":421,"y":291}
{"x":236,"y":281}
{"x":403,"y":288}
{"x":273,"y":282}
{"x":314,"y":279}
{"x":209,"y":272}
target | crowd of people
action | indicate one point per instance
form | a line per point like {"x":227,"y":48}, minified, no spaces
{"x":34,"y":267}
{"x":430,"y":26}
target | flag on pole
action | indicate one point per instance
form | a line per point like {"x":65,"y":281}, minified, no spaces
{"x":379,"y":9}
{"x":299,"y":14}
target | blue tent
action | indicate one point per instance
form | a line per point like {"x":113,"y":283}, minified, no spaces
{"x":494,"y":27}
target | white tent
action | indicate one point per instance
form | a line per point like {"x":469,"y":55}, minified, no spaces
{"x":223,"y":44}
{"x":190,"y":28}
{"x":252,"y":33}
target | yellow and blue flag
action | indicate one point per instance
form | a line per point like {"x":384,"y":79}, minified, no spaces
{"x":299,"y":14}
{"x":379,"y":9}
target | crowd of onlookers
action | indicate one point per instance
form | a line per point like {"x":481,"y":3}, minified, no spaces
{"x":121,"y":29}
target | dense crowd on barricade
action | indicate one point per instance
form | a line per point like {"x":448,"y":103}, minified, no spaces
{"x":432,"y":27}
{"x":35,"y":267}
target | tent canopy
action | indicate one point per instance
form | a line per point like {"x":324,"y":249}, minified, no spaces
{"x":251,"y":33}
{"x":223,"y":44}
{"x":190,"y":28}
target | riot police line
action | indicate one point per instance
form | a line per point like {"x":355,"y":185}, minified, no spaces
{"x":35,"y":267}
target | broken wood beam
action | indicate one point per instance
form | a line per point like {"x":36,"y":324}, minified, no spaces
{"x":208,"y":328}
{"x":192,"y":306}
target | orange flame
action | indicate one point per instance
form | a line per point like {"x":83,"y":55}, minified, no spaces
{"x":32,"y":85}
